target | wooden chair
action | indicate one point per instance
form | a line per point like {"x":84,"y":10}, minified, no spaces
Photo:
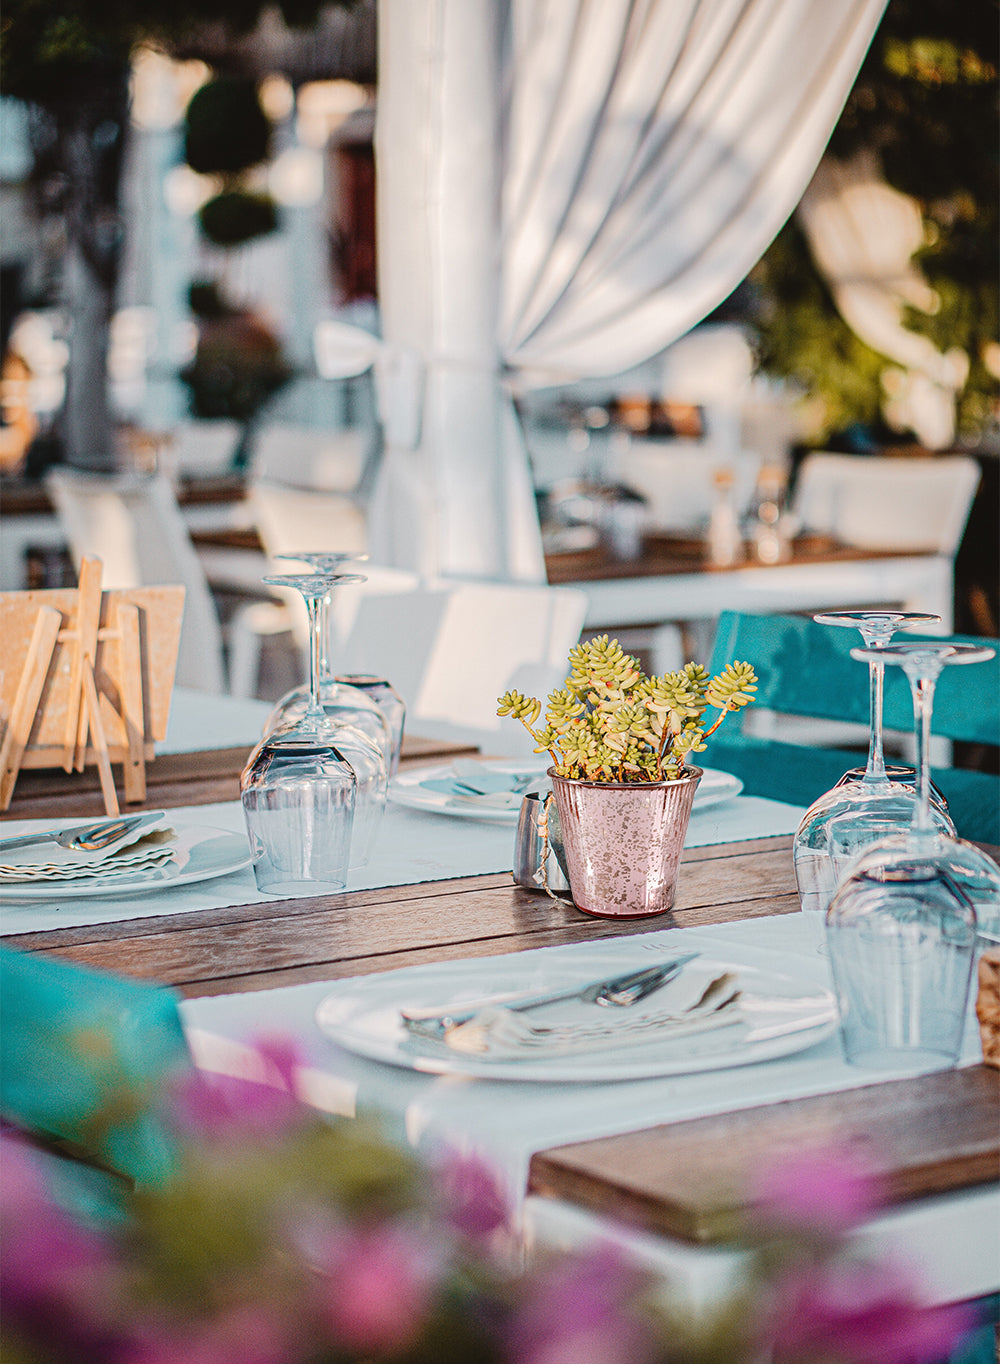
{"x":806,"y":669}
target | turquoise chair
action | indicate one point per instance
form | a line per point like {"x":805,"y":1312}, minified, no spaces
{"x":806,"y":669}
{"x":84,"y":1057}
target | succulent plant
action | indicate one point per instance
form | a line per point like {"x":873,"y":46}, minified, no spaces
{"x":610,"y":722}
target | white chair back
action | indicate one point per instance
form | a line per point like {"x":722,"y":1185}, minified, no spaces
{"x":307,"y":457}
{"x":888,"y":502}
{"x":452,"y":648}
{"x":676,"y":479}
{"x":205,"y":446}
{"x":133,"y":525}
{"x":290,"y":519}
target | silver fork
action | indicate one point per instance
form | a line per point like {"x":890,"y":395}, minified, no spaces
{"x":715,"y":1008}
{"x":619,"y":991}
{"x":85,"y":837}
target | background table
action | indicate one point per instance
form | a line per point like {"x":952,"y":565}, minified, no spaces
{"x":672,"y":584}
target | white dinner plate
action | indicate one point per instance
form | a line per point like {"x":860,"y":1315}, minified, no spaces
{"x":405,"y":789}
{"x":781,"y":1017}
{"x":199,"y":855}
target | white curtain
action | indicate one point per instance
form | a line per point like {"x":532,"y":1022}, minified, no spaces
{"x":654,"y":149}
{"x":642,"y":157}
{"x":863,"y":235}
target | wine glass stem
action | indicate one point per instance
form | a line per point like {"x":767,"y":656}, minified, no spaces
{"x":315,"y":648}
{"x":922,"y":686}
{"x":875,"y":769}
{"x":325,"y":616}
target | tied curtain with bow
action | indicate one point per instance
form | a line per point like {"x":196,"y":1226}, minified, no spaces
{"x":566,"y":187}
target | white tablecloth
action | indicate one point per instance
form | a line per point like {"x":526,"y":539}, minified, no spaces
{"x":411,"y":847}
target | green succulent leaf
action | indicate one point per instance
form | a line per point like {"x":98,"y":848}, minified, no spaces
{"x":610,"y":722}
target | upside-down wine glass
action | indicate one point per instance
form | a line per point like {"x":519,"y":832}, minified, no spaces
{"x":300,"y":797}
{"x":901,"y":927}
{"x":363,"y":753}
{"x":868,"y":803}
{"x":341,"y":701}
{"x":925,"y":843}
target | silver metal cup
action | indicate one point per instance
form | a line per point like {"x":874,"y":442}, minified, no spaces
{"x":538,"y":846}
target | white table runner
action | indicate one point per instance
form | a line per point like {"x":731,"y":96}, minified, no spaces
{"x":506,"y":1122}
{"x":411,"y":847}
{"x":200,"y":721}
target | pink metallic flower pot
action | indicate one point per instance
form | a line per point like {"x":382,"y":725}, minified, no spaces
{"x":623,"y":842}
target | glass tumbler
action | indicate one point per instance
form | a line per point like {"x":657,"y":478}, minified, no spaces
{"x":901,"y":946}
{"x":389,"y":702}
{"x":298,"y":798}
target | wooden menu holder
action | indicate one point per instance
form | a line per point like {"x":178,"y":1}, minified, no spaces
{"x":86,"y":678}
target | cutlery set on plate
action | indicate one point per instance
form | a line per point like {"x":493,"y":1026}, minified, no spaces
{"x":101,"y":848}
{"x":496,"y":1027}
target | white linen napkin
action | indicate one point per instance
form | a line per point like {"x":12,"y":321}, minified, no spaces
{"x":49,"y":862}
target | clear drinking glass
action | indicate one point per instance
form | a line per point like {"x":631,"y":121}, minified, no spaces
{"x":924,"y":843}
{"x":389,"y":702}
{"x":342,"y":702}
{"x":300,"y":796}
{"x":337,"y":727}
{"x":865,"y":805}
{"x":901,"y":946}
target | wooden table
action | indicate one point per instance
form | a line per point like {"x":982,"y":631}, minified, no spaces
{"x":672,"y":584}
{"x":238,"y":949}
{"x":256,"y":947}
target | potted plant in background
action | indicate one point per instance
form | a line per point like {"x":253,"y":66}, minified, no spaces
{"x":623,"y":787}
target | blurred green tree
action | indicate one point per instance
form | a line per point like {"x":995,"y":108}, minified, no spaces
{"x":68,"y":60}
{"x":926,"y":102}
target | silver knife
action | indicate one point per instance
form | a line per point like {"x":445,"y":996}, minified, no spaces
{"x":436,"y":1020}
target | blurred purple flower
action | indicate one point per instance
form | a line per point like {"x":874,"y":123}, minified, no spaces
{"x":860,"y":1314}
{"x":825,"y":1189}
{"x":244,"y":1335}
{"x":379,"y":1287}
{"x":582,"y":1312}
{"x":209,"y":1105}
{"x":473,"y":1198}
{"x":58,"y":1277}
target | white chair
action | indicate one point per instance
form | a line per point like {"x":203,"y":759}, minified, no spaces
{"x":205,"y":447}
{"x":676,"y":479}
{"x":307,"y":457}
{"x":452,"y":648}
{"x":888,"y":502}
{"x":133,"y":525}
{"x":290,"y":518}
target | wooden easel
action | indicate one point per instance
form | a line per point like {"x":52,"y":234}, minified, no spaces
{"x":85,"y":678}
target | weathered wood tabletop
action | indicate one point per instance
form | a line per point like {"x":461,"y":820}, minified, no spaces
{"x":255,"y":947}
{"x":929,"y":1134}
